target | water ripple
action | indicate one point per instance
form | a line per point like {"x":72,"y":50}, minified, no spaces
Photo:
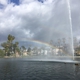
{"x":31,"y":70}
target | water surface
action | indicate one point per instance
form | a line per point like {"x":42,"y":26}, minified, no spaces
{"x":19,"y":69}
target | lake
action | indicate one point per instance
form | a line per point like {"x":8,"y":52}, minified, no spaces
{"x":21,"y":69}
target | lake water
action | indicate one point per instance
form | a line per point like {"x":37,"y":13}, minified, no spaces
{"x":21,"y":69}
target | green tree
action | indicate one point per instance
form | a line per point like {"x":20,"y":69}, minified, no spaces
{"x":9,"y":46}
{"x":23,"y":47}
{"x":5,"y":45}
{"x":10,"y":38}
{"x":16,"y":43}
{"x":2,"y":53}
{"x":35,"y":50}
{"x":16,"y":47}
{"x":29,"y":49}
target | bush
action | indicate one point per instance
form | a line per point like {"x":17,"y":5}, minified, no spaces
{"x":2,"y":53}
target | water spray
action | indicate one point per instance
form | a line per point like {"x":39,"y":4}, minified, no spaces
{"x":70,"y":19}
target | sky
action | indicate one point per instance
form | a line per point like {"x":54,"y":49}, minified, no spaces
{"x":42,"y":20}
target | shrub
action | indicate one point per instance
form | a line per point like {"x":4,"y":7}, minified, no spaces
{"x":2,"y":53}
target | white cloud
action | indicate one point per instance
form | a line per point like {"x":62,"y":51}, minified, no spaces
{"x":32,"y":19}
{"x":4,"y":2}
{"x":13,"y":16}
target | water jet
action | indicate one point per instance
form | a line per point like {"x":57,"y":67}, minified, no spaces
{"x":53,"y":41}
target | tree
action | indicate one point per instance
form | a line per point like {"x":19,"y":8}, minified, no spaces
{"x":75,"y":42}
{"x":16,"y":43}
{"x":29,"y":49}
{"x":9,"y":46}
{"x":18,"y":49}
{"x":10,"y":38}
{"x":35,"y":50}
{"x":64,"y":40}
{"x":5,"y":45}
{"x":15,"y":47}
{"x":77,"y":50}
{"x":23,"y":47}
{"x":2,"y":53}
{"x":59,"y":42}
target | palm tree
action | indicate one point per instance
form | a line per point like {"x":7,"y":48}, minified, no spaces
{"x":10,"y":38}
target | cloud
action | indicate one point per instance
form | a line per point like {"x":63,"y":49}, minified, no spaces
{"x":75,"y":5}
{"x":40,"y":21}
{"x":4,"y":2}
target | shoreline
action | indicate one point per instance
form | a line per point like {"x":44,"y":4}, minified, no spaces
{"x":59,"y":59}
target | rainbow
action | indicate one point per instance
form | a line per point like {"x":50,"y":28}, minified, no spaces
{"x":39,"y":42}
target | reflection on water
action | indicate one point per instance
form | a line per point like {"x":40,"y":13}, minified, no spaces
{"x":77,"y":70}
{"x":18,"y":69}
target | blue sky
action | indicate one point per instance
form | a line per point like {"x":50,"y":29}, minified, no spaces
{"x":15,"y":1}
{"x":41,"y":1}
{"x":1,"y":6}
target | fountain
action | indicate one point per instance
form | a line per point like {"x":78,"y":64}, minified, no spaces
{"x":68,"y":2}
{"x":53,"y":37}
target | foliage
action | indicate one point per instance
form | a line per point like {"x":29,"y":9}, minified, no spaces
{"x":10,"y":47}
{"x":10,"y":38}
{"x":16,"y":47}
{"x":18,"y":50}
{"x":6,"y":46}
{"x":23,"y":47}
{"x":2,"y":53}
{"x":29,"y":49}
{"x":77,"y":50}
